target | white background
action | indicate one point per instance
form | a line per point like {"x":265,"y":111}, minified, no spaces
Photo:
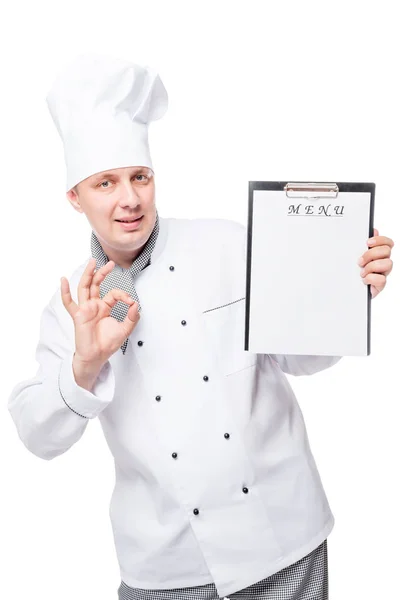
{"x":257,"y":90}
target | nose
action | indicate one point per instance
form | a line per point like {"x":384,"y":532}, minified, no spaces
{"x":129,"y":196}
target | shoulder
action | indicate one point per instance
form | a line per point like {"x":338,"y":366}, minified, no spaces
{"x":217,"y":226}
{"x":210,"y":238}
{"x":216,"y":231}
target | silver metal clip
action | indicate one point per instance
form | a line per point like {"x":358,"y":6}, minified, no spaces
{"x":314,"y":190}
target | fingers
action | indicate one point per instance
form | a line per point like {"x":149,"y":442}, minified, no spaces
{"x":86,"y":281}
{"x":132,"y":317}
{"x":114,"y":295}
{"x":381,"y":240}
{"x":374,"y":253}
{"x":384,"y":265}
{"x":66,"y":297}
{"x":99,"y":276}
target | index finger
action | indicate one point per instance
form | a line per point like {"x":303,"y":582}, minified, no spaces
{"x":382,"y":240}
{"x":86,"y":281}
{"x":99,"y":276}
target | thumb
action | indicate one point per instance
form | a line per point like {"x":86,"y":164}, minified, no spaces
{"x":132,"y":317}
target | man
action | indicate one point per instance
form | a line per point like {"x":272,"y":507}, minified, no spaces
{"x":217,"y":493}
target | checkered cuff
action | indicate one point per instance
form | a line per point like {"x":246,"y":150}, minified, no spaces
{"x":82,"y":402}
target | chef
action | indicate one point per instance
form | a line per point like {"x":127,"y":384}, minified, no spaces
{"x":217,"y":492}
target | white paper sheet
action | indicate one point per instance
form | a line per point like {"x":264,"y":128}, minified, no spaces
{"x":306,"y":295}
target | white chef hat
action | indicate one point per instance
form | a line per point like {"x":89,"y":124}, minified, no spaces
{"x":101,"y":107}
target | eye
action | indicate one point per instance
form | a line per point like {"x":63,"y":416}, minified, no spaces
{"x":105,"y":181}
{"x":141,"y":175}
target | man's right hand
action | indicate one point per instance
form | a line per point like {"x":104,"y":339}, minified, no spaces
{"x":97,"y":334}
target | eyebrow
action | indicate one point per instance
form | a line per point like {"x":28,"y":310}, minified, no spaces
{"x":111,"y":174}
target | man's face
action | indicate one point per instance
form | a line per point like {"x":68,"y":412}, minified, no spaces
{"x":114,"y":194}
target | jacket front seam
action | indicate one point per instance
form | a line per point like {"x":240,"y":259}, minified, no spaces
{"x":222,"y":305}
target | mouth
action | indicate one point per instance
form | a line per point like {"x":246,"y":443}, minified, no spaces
{"x":129,"y":220}
{"x":130,"y":225}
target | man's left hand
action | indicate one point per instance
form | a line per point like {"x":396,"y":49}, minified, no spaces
{"x":376,"y":262}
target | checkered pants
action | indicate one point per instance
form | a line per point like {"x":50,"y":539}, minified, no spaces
{"x":306,"y":579}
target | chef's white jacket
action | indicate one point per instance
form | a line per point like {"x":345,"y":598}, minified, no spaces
{"x":215,"y":479}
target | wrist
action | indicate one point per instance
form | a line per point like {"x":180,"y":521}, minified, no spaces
{"x":85,"y":373}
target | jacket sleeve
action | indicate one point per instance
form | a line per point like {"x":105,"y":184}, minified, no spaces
{"x":50,"y":410}
{"x":304,"y":364}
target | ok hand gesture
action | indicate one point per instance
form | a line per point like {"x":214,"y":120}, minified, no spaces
{"x":97,"y":334}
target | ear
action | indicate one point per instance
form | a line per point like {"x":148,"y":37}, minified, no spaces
{"x":73,"y":198}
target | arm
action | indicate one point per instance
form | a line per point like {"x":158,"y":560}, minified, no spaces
{"x":51,"y":411}
{"x":304,"y":364}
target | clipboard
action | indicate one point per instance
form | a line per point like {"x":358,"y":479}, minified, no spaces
{"x":304,"y":292}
